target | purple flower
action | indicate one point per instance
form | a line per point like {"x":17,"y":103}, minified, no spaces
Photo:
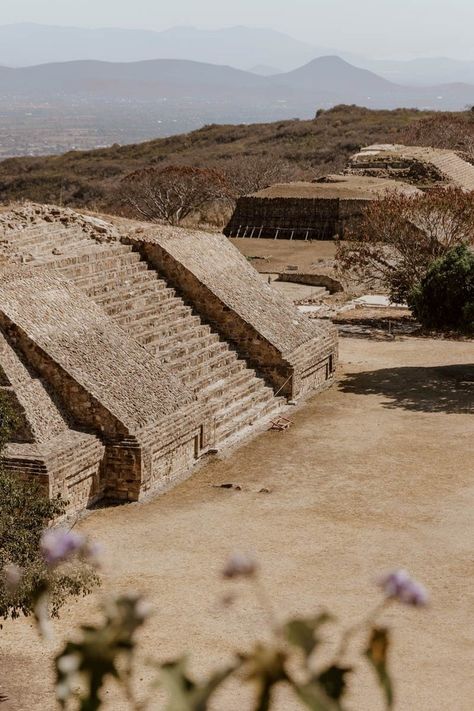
{"x":240,"y":565}
{"x":398,"y":585}
{"x":59,"y":546}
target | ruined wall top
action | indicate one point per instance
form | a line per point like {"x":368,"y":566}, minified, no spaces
{"x":336,"y":187}
{"x":418,"y":165}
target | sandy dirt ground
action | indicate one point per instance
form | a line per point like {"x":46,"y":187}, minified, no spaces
{"x":282,"y":253}
{"x":375,"y":473}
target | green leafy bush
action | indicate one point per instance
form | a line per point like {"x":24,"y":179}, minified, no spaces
{"x":444,"y":300}
{"x":25,"y":512}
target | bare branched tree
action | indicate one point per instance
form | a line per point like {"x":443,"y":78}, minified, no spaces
{"x":248,"y":174}
{"x":452,"y":131}
{"x":399,"y":236}
{"x":174,"y":193}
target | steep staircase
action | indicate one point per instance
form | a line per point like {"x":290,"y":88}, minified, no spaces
{"x":458,"y":171}
{"x":152,"y":313}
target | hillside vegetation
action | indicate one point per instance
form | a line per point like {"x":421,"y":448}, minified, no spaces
{"x":311,"y":148}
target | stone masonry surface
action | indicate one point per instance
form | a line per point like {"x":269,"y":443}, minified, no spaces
{"x":319,"y":210}
{"x":128,"y":356}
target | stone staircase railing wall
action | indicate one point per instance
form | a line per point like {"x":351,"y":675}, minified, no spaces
{"x":263,"y":327}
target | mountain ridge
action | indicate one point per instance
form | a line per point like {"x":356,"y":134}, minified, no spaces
{"x":26,"y":44}
{"x":324,"y":81}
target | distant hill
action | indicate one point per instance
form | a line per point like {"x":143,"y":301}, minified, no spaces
{"x":422,"y":71}
{"x":334,"y":75}
{"x":27,"y":44}
{"x":52,"y":108}
{"x":323,"y":82}
{"x":264,"y":70}
{"x":315,"y":147}
{"x":153,"y":80}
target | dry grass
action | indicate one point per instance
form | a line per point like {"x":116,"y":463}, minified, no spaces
{"x":89,"y":178}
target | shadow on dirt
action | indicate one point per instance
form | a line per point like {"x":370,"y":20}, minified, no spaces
{"x":448,"y":389}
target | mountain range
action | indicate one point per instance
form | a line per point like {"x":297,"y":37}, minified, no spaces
{"x":262,"y":50}
{"x":234,"y":76}
{"x":321,"y":83}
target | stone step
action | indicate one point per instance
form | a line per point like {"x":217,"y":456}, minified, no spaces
{"x":38,"y":229}
{"x":241,"y":392}
{"x":122,"y":283}
{"x":195,"y":359}
{"x":207,"y":368}
{"x":243,"y":426}
{"x":232,"y":381}
{"x":139,"y":312}
{"x":97,"y":262}
{"x":189,"y":346}
{"x":177,"y":334}
{"x":172,"y":315}
{"x":242,"y":412}
{"x":226,"y":370}
{"x":32,"y":240}
{"x":65,"y":252}
{"x":47,"y":243}
{"x":84,"y":278}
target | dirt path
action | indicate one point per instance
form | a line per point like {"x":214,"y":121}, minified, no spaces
{"x":375,"y":473}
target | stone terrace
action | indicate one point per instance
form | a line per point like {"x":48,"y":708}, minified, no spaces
{"x":421,"y":166}
{"x":318,"y":210}
{"x":129,"y":358}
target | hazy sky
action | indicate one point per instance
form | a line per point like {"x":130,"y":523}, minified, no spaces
{"x":385,"y":28}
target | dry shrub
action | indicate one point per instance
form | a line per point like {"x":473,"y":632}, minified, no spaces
{"x":174,"y":193}
{"x":453,"y":131}
{"x":399,"y":237}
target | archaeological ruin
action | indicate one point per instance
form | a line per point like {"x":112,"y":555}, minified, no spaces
{"x":326,"y":207}
{"x":421,"y":166}
{"x":128,"y":355}
{"x":321,"y":210}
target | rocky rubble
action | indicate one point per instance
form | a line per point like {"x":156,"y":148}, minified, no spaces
{"x":27,"y":215}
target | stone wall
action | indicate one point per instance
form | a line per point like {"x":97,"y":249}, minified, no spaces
{"x":285,"y":218}
{"x":330,"y":283}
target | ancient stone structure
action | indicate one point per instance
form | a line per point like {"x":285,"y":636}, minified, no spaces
{"x":127,"y":357}
{"x":320,"y":210}
{"x":424,"y":167}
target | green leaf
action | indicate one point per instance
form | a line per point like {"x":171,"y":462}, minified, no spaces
{"x":183,"y":693}
{"x":314,"y":697}
{"x":264,"y":695}
{"x":302,"y":632}
{"x":376,"y":653}
{"x":177,"y":684}
{"x":333,"y":681}
{"x":97,"y":653}
{"x":266,"y":667}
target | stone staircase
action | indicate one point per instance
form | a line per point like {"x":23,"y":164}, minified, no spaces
{"x":40,"y":242}
{"x":153,"y":314}
{"x":458,"y":171}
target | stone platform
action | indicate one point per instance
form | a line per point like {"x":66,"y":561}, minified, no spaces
{"x":127,"y":357}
